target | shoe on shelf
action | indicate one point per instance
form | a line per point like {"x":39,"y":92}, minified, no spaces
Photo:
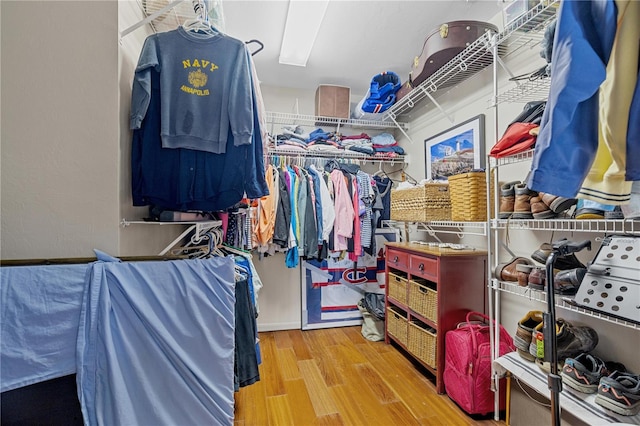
{"x":540,"y":210}
{"x":583,"y":373}
{"x":537,"y":278}
{"x":573,"y":340}
{"x":522,"y":204}
{"x":620,"y":393}
{"x":568,"y":281}
{"x":507,"y":199}
{"x":522,"y":339}
{"x":615,"y":214}
{"x":589,"y":214}
{"x":507,"y":271}
{"x":546,"y":365}
{"x":570,"y":340}
{"x":523,"y":271}
{"x":557,"y":204}
{"x":569,"y":261}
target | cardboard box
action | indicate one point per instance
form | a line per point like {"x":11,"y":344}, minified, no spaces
{"x":333,"y":101}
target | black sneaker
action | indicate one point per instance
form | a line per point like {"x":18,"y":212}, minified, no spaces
{"x":620,"y":392}
{"x":583,"y":373}
{"x":573,"y":340}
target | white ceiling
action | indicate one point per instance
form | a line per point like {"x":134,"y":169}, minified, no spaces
{"x":358,"y":38}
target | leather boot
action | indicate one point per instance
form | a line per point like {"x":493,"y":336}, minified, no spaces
{"x":507,"y":199}
{"x":522,"y":205}
{"x":540,"y":210}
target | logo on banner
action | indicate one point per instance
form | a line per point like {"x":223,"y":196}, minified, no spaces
{"x":355,"y":275}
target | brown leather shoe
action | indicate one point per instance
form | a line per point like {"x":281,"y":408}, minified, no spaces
{"x":522,"y":204}
{"x":557,"y":204}
{"x":538,"y":278}
{"x":523,"y":270}
{"x":507,"y":199}
{"x":507,"y":271}
{"x":539,"y":209}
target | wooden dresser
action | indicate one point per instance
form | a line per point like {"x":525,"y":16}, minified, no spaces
{"x":429,"y":291}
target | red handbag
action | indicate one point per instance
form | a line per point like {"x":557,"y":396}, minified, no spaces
{"x":467,"y":371}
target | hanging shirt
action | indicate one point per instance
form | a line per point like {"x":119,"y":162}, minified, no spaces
{"x":343,"y":225}
{"x":365,"y":192}
{"x":206,"y":90}
{"x":184,"y":179}
{"x":568,"y":138}
{"x":606,"y":182}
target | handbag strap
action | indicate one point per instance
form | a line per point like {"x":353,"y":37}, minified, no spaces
{"x":487,"y":322}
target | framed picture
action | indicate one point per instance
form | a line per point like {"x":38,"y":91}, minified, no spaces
{"x":459,"y":149}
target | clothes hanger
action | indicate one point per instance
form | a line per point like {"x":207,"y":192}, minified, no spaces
{"x":243,"y":253}
{"x":258,"y":42}
{"x":200,"y":25}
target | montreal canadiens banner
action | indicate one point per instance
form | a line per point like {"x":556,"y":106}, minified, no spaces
{"x":329,"y":303}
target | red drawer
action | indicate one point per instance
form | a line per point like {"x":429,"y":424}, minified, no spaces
{"x":397,"y":259}
{"x":423,"y":266}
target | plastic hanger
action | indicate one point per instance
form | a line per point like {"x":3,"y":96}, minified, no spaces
{"x":258,"y":42}
{"x":200,"y":25}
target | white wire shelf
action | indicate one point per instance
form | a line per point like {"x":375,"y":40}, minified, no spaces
{"x":471,"y":60}
{"x":563,"y":302}
{"x":461,"y":228}
{"x":342,"y":155}
{"x":199,"y":228}
{"x":608,"y":226}
{"x":527,"y":31}
{"x":527,"y":91}
{"x":442,"y":227}
{"x":524,"y":32}
{"x":313,"y":120}
{"x":512,"y":159}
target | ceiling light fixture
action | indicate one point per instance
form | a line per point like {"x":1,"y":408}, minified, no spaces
{"x":304,"y":18}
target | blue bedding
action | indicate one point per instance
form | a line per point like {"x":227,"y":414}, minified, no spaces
{"x":156,"y":343}
{"x":39,"y":322}
{"x":151,"y":342}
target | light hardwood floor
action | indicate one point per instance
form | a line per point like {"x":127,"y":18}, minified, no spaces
{"x":336,"y":377}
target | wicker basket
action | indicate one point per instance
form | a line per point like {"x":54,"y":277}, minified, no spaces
{"x":469,"y":197}
{"x":422,"y":342}
{"x":422,"y":203}
{"x":397,"y":324}
{"x":423,"y":299}
{"x":398,"y":287}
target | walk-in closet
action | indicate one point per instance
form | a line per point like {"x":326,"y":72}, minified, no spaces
{"x":328,"y":212}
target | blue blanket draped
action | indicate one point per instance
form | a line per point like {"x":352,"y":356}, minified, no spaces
{"x":156,"y":343}
{"x":39,"y":322}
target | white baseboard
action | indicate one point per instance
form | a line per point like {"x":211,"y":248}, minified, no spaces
{"x":279,"y":326}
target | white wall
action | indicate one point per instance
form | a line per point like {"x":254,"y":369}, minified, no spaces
{"x":59,"y":128}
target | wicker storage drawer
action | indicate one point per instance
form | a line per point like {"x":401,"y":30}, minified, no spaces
{"x":397,"y":324}
{"x":468,"y":193}
{"x":422,"y":203}
{"x":422,"y":342}
{"x":398,"y":286}
{"x":423,"y":298}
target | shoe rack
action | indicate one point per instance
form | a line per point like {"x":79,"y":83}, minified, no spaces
{"x":528,"y":30}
